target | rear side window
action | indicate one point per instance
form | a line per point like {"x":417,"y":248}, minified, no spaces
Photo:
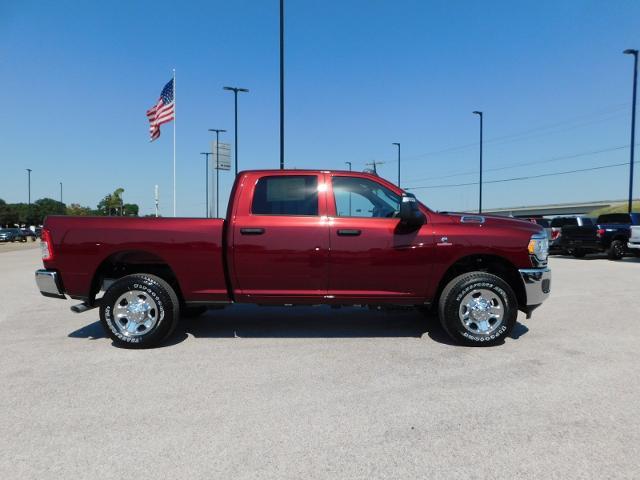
{"x":286,"y":195}
{"x":615,"y":218}
{"x":564,"y":221}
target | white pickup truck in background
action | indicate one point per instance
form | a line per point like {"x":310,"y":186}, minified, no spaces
{"x":634,"y":240}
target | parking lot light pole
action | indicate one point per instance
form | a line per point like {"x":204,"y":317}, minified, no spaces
{"x":61,"y":192}
{"x":218,"y":132}
{"x":206,"y":176}
{"x":480,"y":199}
{"x":398,"y":145}
{"x":29,"y":184}
{"x":281,"y":84}
{"x":634,"y":52}
{"x":235,"y":91}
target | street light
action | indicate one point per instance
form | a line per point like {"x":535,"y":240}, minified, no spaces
{"x":218,"y":132}
{"x":398,"y":145}
{"x":60,"y":192}
{"x":235,"y":91}
{"x":480,"y":200}
{"x":29,"y":183}
{"x":634,"y":52}
{"x":348,"y":163}
{"x":281,"y":84}
{"x":206,"y":176}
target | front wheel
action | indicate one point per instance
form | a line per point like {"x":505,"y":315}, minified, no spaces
{"x":139,"y":311}
{"x":478,"y":309}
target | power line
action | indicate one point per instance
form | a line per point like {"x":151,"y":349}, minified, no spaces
{"x":525,"y":164}
{"x":528,"y":177}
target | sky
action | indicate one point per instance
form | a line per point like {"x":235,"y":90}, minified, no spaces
{"x":77,"y":78}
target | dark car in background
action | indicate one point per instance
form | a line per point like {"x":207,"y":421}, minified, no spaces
{"x":609,"y":234}
{"x":29,"y":234}
{"x":556,"y":230}
{"x":12,"y":235}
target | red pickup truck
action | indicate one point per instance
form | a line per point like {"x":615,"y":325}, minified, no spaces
{"x":299,"y":237}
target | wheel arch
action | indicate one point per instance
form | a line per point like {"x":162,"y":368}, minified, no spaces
{"x":126,"y":262}
{"x":493,"y":264}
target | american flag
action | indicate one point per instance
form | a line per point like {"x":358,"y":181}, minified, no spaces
{"x":162,"y":112}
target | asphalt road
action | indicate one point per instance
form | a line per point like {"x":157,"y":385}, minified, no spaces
{"x":306,"y":393}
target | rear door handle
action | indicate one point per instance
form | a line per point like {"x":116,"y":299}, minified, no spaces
{"x":251,"y":231}
{"x":349,"y":232}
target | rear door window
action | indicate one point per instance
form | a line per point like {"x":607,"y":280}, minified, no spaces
{"x":286,"y":195}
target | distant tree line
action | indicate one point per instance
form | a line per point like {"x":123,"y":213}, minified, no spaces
{"x":23,"y":214}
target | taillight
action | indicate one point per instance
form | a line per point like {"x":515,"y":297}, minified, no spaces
{"x":600,"y":232}
{"x":46,"y":246}
{"x":555,"y":233}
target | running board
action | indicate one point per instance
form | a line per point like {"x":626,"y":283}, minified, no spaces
{"x":83,"y":307}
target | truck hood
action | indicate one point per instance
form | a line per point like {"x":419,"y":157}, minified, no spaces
{"x":492,"y":221}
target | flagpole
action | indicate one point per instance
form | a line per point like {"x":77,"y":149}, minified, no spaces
{"x":174,"y":142}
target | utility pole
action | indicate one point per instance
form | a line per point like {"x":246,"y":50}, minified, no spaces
{"x":633,"y":52}
{"x":374,"y":164}
{"x":235,"y":91}
{"x":398,"y":145}
{"x":218,"y":132}
{"x":480,"y":114}
{"x":281,"y":84}
{"x":29,"y":183}
{"x":206,"y":176}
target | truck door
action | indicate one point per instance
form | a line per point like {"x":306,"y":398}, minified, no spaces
{"x":372,"y":259}
{"x":281,"y":238}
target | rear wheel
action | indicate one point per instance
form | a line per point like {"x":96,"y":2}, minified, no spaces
{"x":478,"y":309}
{"x":578,"y":253}
{"x":616,"y":250}
{"x":139,"y":311}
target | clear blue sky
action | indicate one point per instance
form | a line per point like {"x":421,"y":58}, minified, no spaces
{"x":77,"y":78}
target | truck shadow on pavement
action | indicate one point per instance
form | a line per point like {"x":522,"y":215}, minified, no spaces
{"x":248,"y":321}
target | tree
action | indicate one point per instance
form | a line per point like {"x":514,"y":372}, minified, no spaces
{"x":8,"y":214}
{"x":78,"y":210}
{"x":112,"y":204}
{"x":49,"y":206}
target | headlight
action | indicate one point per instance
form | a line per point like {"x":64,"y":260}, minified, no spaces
{"x":539,"y":248}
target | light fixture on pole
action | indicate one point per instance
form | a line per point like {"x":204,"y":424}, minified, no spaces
{"x":398,"y":145}
{"x":218,"y":132}
{"x":235,"y":91}
{"x":480,"y":114}
{"x":206,"y":176}
{"x":634,"y":52}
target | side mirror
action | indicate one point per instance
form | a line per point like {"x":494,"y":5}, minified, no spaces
{"x":410,"y":214}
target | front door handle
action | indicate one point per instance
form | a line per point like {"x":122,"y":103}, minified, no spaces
{"x":251,"y":231}
{"x":349,"y":232}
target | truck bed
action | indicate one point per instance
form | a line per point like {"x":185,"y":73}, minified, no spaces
{"x":191,"y":247}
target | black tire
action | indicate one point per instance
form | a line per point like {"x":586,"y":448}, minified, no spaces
{"x":616,"y":250}
{"x":450,"y":305}
{"x":578,"y":253}
{"x":159,"y":294}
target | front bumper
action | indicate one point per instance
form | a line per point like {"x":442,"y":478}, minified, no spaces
{"x":537,"y":286}
{"x":49,"y":283}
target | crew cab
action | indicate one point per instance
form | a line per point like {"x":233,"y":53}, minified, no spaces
{"x":296,"y":237}
{"x":609,"y":234}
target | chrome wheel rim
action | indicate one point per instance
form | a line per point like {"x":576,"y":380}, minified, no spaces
{"x":135,"y":313}
{"x":481,"y":311}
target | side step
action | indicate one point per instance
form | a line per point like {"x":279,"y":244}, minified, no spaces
{"x":83,"y":307}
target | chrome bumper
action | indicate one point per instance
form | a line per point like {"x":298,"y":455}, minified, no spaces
{"x":537,"y":284}
{"x":49,"y":284}
{"x":633,"y":245}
